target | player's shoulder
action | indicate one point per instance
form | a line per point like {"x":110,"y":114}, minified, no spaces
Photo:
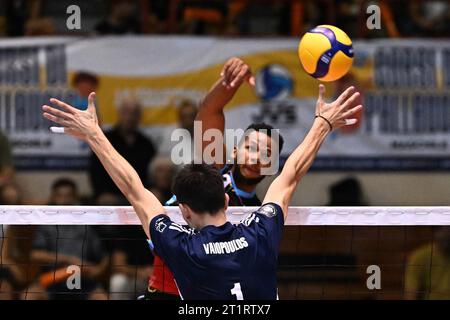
{"x":163,"y":223}
{"x":266,"y":211}
{"x":269,"y":210}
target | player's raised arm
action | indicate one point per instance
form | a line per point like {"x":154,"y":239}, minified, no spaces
{"x":211,"y":114}
{"x":84,"y":125}
{"x":329,"y":116}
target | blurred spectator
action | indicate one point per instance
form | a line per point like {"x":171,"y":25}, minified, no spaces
{"x":186,"y":115}
{"x":202,"y":17}
{"x":137,"y":149}
{"x":64,"y":193}
{"x":6,"y":163}
{"x":7,"y":291}
{"x":57,"y":247}
{"x":84,"y":83}
{"x":187,"y":111}
{"x":108,"y":199}
{"x":15,"y":256}
{"x":264,"y":18}
{"x":131,"y":261}
{"x":314,"y":16}
{"x":17,"y":248}
{"x":6,"y":281}
{"x":346,"y":192}
{"x":40,"y":27}
{"x":16,"y":17}
{"x":431,"y":18}
{"x":10,"y":195}
{"x":10,"y":275}
{"x":23,"y":18}
{"x":162,"y":172}
{"x":122,"y":18}
{"x":428,"y":269}
{"x":347,"y":12}
{"x":158,"y":17}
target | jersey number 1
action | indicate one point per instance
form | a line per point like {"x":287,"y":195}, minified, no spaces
{"x":237,"y":291}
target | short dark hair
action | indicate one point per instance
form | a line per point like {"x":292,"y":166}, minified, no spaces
{"x":269,"y":130}
{"x":64,"y":182}
{"x":200,"y":186}
{"x":85,"y":76}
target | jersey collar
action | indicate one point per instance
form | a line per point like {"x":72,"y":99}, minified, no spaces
{"x":239,"y":192}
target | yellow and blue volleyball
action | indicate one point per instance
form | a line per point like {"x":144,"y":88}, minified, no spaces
{"x":326,"y":53}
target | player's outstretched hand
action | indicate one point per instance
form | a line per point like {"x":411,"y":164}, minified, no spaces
{"x":234,"y":72}
{"x":78,"y":123}
{"x":340,"y":112}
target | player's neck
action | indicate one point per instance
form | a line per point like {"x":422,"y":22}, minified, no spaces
{"x":247,"y":185}
{"x":249,"y":188}
{"x":217,"y":220}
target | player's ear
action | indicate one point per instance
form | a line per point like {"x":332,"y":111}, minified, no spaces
{"x":184,"y":211}
{"x":227,"y":201}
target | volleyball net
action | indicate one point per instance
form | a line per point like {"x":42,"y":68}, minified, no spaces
{"x":87,"y":252}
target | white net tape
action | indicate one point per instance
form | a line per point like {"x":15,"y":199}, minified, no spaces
{"x":314,"y":216}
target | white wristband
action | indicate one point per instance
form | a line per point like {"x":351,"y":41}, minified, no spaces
{"x":57,"y":129}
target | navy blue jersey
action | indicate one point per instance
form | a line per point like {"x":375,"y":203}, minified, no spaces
{"x":227,"y":262}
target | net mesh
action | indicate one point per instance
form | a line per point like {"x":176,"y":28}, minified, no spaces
{"x":326,"y":253}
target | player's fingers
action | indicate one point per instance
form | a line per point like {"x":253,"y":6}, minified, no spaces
{"x":55,"y":119}
{"x":248,"y":73}
{"x":236,"y":73}
{"x":64,"y":105}
{"x":344,"y":95}
{"x":56,"y":112}
{"x":352,"y":101}
{"x":228,"y":69}
{"x":231,"y":71}
{"x":238,"y":78}
{"x":252,"y":81}
{"x":321,"y":93}
{"x":352,"y":112}
{"x":91,"y":102}
{"x":225,"y":67}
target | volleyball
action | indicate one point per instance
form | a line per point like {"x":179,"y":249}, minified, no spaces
{"x":326,"y":53}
